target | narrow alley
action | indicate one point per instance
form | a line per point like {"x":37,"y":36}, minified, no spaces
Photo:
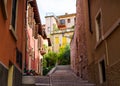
{"x":59,"y":42}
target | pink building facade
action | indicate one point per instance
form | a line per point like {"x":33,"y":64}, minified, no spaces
{"x":34,"y":42}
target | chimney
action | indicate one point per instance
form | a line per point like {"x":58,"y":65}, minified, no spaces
{"x":66,"y":13}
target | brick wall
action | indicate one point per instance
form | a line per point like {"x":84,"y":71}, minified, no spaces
{"x":79,"y":53}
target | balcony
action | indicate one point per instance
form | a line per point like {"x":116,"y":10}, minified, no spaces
{"x":42,"y":51}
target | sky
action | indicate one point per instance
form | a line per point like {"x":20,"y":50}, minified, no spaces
{"x":58,"y":7}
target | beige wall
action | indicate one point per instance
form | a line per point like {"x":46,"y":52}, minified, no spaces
{"x":108,"y":48}
{"x":49,"y":21}
{"x":72,"y":22}
{"x":60,"y":36}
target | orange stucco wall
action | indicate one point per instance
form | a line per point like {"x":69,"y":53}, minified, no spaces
{"x":8,"y":44}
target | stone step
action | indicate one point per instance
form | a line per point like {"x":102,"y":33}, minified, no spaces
{"x":62,"y":76}
{"x":67,"y":84}
{"x":42,"y":84}
{"x":63,"y":67}
{"x":42,"y":79}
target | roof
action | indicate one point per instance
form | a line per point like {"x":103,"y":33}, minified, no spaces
{"x":36,"y":12}
{"x":49,"y":16}
{"x":33,"y":3}
{"x":67,"y":15}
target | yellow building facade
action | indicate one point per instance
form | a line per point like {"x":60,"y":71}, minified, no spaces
{"x":61,"y":39}
{"x":60,"y":29}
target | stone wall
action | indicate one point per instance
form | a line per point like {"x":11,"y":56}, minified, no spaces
{"x":3,"y":75}
{"x":17,"y":76}
{"x":79,"y":42}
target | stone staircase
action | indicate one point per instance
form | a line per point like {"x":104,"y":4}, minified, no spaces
{"x":42,"y":81}
{"x":62,"y":76}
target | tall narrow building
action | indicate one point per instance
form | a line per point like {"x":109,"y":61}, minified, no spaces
{"x":12,"y":44}
{"x":103,"y":35}
{"x":79,"y":60}
{"x":35,"y":46}
{"x":95,"y":44}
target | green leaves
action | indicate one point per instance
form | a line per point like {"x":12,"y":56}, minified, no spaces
{"x":51,"y":58}
{"x":64,"y":55}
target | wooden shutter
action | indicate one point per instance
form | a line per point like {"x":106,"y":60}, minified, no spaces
{"x":36,"y":31}
{"x":39,"y":42}
{"x":33,"y":29}
{"x":30,"y":16}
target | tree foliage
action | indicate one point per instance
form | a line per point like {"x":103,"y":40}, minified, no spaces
{"x":49,"y":61}
{"x":51,"y":58}
{"x":64,"y":55}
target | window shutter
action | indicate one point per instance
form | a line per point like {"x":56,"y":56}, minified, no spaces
{"x":39,"y":41}
{"x":30,"y":16}
{"x":33,"y":29}
{"x":36,"y":31}
{"x":32,"y":19}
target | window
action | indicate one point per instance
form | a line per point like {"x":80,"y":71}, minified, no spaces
{"x":36,"y":31}
{"x":62,"y":21}
{"x":64,"y":41}
{"x":102,"y":71}
{"x":19,"y":58}
{"x":4,"y":9}
{"x":56,"y":40}
{"x":30,"y":16}
{"x":13,"y":20}
{"x":68,"y":20}
{"x":39,"y":42}
{"x":48,"y":29}
{"x":98,"y":27}
{"x":74,"y":20}
{"x":89,"y":13}
{"x":33,"y":29}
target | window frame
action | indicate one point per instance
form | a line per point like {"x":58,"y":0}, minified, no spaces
{"x":101,"y":74}
{"x":19,"y":58}
{"x":99,"y":32}
{"x":68,"y":20}
{"x":61,"y":21}
{"x":57,"y":40}
{"x":4,"y":9}
{"x":13,"y":29}
{"x":74,"y":20}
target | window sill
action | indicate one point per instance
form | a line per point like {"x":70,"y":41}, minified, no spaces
{"x":98,"y":43}
{"x":13,"y":32}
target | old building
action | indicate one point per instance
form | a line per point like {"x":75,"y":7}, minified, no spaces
{"x":101,"y":22}
{"x":35,"y":48}
{"x":103,"y":37}
{"x":78,"y":44}
{"x":60,"y":29}
{"x":12,"y":44}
